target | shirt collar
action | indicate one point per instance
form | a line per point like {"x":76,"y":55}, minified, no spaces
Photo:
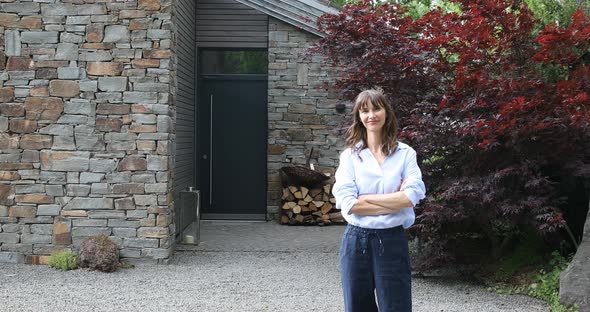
{"x":400,"y":145}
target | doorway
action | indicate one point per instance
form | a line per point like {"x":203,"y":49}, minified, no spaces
{"x":232,"y":110}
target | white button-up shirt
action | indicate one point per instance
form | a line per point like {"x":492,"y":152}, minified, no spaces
{"x":363,"y":175}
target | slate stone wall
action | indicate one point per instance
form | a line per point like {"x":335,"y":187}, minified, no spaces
{"x":85,"y":126}
{"x":87,"y":130}
{"x":301,"y":108}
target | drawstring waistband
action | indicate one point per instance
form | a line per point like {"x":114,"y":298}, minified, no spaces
{"x":381,"y":247}
{"x":357,"y":229}
{"x":365,"y":233}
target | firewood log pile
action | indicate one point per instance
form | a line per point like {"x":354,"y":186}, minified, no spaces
{"x":309,"y":206}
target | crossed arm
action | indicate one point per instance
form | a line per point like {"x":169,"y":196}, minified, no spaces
{"x":350,"y":201}
{"x":380,"y":204}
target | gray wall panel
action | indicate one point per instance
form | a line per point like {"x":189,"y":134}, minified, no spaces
{"x":185,"y":169}
{"x":229,"y":24}
{"x":300,"y":13}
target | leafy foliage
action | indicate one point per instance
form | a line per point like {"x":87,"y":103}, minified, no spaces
{"x":515,"y":267}
{"x":99,"y":253}
{"x":63,"y":260}
{"x":557,"y":11}
{"x":370,"y":42}
{"x":545,"y":285}
{"x":501,"y":111}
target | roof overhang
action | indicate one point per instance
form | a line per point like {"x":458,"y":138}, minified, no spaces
{"x":299,"y":13}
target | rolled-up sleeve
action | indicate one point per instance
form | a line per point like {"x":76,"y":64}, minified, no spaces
{"x":412,"y":185}
{"x":345,"y":190}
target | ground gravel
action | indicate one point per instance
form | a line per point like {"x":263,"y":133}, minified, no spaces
{"x":278,"y":279}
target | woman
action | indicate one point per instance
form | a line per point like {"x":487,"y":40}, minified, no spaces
{"x":378,"y":183}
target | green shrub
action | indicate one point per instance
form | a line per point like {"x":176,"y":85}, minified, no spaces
{"x":63,"y":260}
{"x":545,"y":285}
{"x":525,"y":258}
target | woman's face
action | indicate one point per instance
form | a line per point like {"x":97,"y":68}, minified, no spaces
{"x":372,"y":117}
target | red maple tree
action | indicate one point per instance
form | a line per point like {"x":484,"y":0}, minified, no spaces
{"x":499,"y":113}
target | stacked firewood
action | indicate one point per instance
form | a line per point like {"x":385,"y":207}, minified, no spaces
{"x":309,"y":206}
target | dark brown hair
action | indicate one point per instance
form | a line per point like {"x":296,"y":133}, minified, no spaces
{"x":358,"y":133}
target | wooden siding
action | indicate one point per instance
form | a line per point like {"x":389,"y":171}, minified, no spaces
{"x":229,"y":24}
{"x":185,"y":169}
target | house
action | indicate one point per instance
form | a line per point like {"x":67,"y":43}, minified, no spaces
{"x":110,"y":110}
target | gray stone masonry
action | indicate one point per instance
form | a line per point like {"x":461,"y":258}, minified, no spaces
{"x":83,"y":110}
{"x":574,"y":284}
{"x":301,"y":108}
{"x":87,"y":123}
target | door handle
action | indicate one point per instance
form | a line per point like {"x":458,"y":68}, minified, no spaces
{"x":210,"y":151}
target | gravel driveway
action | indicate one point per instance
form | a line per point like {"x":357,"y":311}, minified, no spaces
{"x":263,"y":267}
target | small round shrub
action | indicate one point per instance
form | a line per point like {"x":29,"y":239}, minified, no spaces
{"x":99,"y":253}
{"x":63,"y":260}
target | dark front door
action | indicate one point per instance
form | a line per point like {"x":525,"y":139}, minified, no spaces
{"x":232,"y":141}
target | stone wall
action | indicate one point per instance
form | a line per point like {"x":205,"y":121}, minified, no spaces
{"x":301,"y":108}
{"x":85,"y":127}
{"x":574,"y":282}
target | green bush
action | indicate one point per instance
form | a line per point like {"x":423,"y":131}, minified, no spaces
{"x":545,"y":285}
{"x":556,"y":11}
{"x":63,"y":260}
{"x":523,"y":260}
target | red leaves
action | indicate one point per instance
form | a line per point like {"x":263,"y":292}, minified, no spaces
{"x":444,"y":102}
{"x":493,"y":108}
{"x":565,"y":46}
{"x":482,"y":66}
{"x":371,"y":43}
{"x":493,"y":49}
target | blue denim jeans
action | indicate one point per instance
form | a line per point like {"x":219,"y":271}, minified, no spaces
{"x":375,"y":263}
